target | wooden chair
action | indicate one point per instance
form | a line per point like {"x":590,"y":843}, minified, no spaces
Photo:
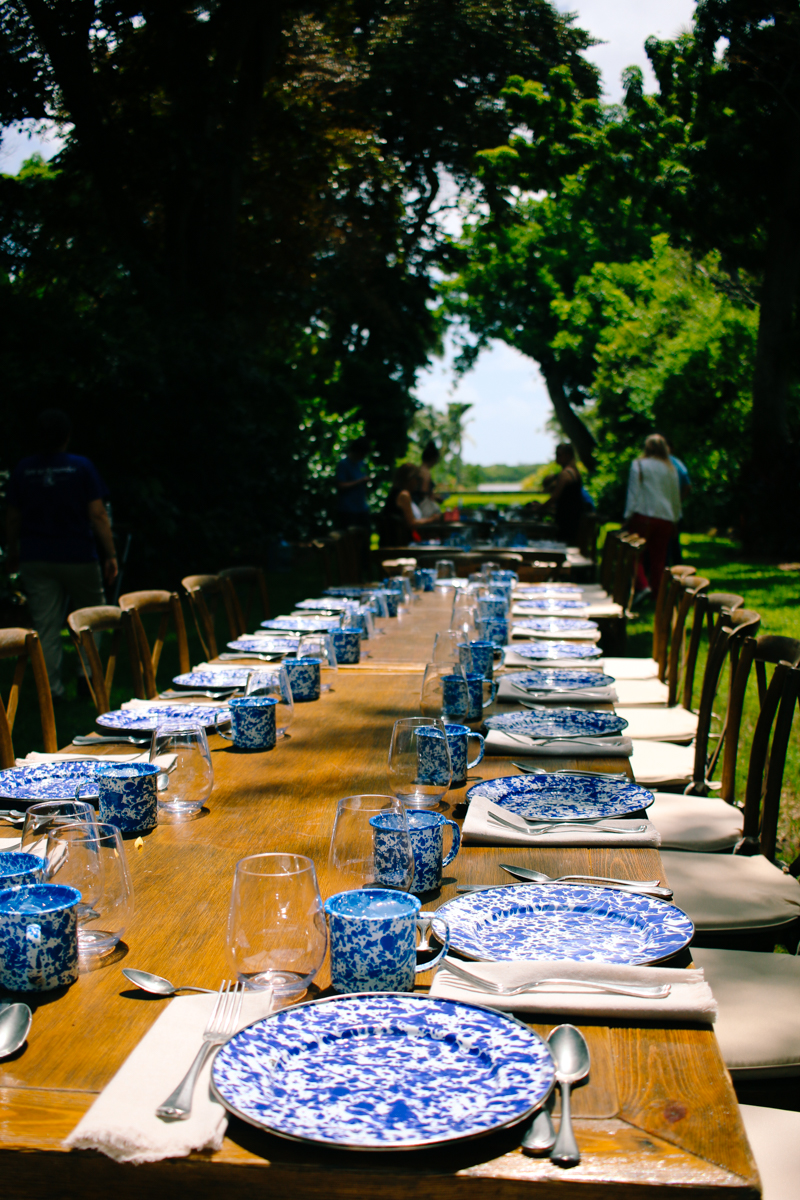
{"x":707,"y":611}
{"x":254,"y":581}
{"x":746,"y":898}
{"x":84,"y":624}
{"x":651,"y":671}
{"x":168,"y":606}
{"x":205,"y":592}
{"x":24,"y":645}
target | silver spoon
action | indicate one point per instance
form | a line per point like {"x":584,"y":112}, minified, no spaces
{"x":220,"y":694}
{"x":540,"y":1136}
{"x":15,"y":1021}
{"x":540,"y":877}
{"x":616,"y":776}
{"x":157,"y":984}
{"x":244,"y":654}
{"x":571,"y":1053}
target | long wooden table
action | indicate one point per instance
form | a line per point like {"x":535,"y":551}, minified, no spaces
{"x":658,"y":1116}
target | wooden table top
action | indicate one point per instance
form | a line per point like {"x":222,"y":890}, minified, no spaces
{"x":658,"y":1116}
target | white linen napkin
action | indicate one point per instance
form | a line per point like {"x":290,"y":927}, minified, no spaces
{"x":478,"y":827}
{"x":513,"y":659}
{"x":136,"y":705}
{"x":690,"y":998}
{"x":509,"y":690}
{"x":500,"y":742}
{"x":522,"y":609}
{"x":81,"y":756}
{"x":122,"y":1122}
{"x":9,"y":843}
{"x":556,"y":635}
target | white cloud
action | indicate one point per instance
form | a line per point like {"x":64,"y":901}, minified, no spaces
{"x":24,"y":139}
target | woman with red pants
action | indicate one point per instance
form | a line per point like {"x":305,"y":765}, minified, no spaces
{"x":653,"y":508}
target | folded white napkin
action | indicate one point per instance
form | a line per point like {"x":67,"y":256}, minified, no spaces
{"x":509,"y":690}
{"x":690,"y":998}
{"x":81,"y":756}
{"x":556,"y":635}
{"x":604,"y":609}
{"x":122,"y":1122}
{"x":525,"y":610}
{"x":478,"y":827}
{"x":7,"y":843}
{"x":134,"y":705}
{"x":513,"y":659}
{"x":500,"y":742}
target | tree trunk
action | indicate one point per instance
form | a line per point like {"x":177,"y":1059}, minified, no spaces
{"x":574,"y":428}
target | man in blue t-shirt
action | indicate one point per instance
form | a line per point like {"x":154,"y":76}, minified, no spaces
{"x":56,"y":517}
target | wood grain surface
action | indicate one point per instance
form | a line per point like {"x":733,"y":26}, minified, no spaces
{"x":657,"y":1117}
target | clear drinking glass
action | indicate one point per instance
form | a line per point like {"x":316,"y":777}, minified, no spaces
{"x":351,"y":858}
{"x":445,"y":568}
{"x":408,"y":780}
{"x":445,"y":645}
{"x":444,"y":691}
{"x":320,"y":645}
{"x":49,"y":814}
{"x":274,"y":682}
{"x":186,"y":780}
{"x":277,"y":935}
{"x":92,"y":859}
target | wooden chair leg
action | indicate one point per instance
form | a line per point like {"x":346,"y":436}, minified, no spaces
{"x":48,"y":718}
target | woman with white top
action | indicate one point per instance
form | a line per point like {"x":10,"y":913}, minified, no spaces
{"x":653,"y":507}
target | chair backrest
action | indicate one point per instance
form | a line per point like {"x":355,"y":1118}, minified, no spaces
{"x":168,"y":606}
{"x":631,"y":547}
{"x":205,"y":592}
{"x":730,"y":634}
{"x":668,"y":591}
{"x":708,"y":608}
{"x":252,"y":581}
{"x":83,"y":624}
{"x":691,"y":588}
{"x":24,"y":645}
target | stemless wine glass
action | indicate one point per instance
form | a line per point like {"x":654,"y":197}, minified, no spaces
{"x":444,"y":691}
{"x":274,"y":681}
{"x":186,"y":779}
{"x":351,"y":858}
{"x":445,"y":568}
{"x":92,"y":859}
{"x":320,"y":645}
{"x":420,"y":768}
{"x":49,"y":814}
{"x":277,"y":936}
{"x":445,"y":645}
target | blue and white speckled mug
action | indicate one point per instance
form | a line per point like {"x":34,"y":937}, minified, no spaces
{"x":18,"y":869}
{"x":477,"y":656}
{"x":128,"y":795}
{"x":481,"y":694}
{"x":493,"y":608}
{"x":38,"y":937}
{"x":458,"y":740}
{"x":433,"y":765}
{"x":253,"y":725}
{"x":492,"y":629}
{"x":455,"y":698}
{"x":373,"y":940}
{"x":305,"y":678}
{"x":426,"y":830}
{"x":347,"y":644}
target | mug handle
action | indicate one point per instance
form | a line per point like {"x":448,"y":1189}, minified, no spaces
{"x":492,"y":692}
{"x":428,"y":966}
{"x":456,"y":844}
{"x":228,"y":736}
{"x":33,"y":946}
{"x":479,"y":759}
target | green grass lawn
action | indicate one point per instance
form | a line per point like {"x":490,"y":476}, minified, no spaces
{"x":775,"y":595}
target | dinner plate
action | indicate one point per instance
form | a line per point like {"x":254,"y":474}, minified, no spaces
{"x":332,"y":604}
{"x":303,"y":624}
{"x":548,"y":589}
{"x":553,"y":680}
{"x":554,"y":650}
{"x":559,"y":723}
{"x":50,"y":781}
{"x":555,"y":624}
{"x":562,"y":797}
{"x":383,"y":1071}
{"x":354,"y":593}
{"x":233,"y":677}
{"x":585,"y":924}
{"x":556,"y":604}
{"x":146,"y":719}
{"x":265,"y":645}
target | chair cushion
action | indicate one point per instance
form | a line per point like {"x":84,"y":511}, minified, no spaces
{"x":632,"y":668}
{"x":774,"y":1137}
{"x":659,"y":724}
{"x":641,"y":691}
{"x":664,"y":763}
{"x":697,"y":823}
{"x":758,"y":1023}
{"x":725,"y":891}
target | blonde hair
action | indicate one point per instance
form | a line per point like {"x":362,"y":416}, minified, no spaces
{"x":656,"y":446}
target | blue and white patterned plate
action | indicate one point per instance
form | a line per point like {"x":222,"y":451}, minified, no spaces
{"x":552,"y":605}
{"x":383,"y":1071}
{"x":548,"y":589}
{"x":555,"y":625}
{"x":585,"y":924}
{"x":559,"y":723}
{"x":234,"y":677}
{"x":558,"y":797}
{"x":303,"y":624}
{"x":146,"y":719}
{"x":332,"y":604}
{"x":353,"y":593}
{"x":554,"y":680}
{"x":265,"y":645}
{"x":50,"y":781}
{"x":555,"y":650}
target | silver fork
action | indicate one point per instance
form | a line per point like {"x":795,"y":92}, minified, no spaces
{"x":645,"y":992}
{"x":221,"y":1026}
{"x":568,"y":826}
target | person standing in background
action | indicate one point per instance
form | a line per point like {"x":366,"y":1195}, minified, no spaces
{"x":56,"y":518}
{"x":566,"y":494}
{"x":653,"y":509}
{"x":426,"y":496}
{"x":352,"y":506}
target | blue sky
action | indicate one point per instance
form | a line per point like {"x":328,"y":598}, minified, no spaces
{"x":507,"y":423}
